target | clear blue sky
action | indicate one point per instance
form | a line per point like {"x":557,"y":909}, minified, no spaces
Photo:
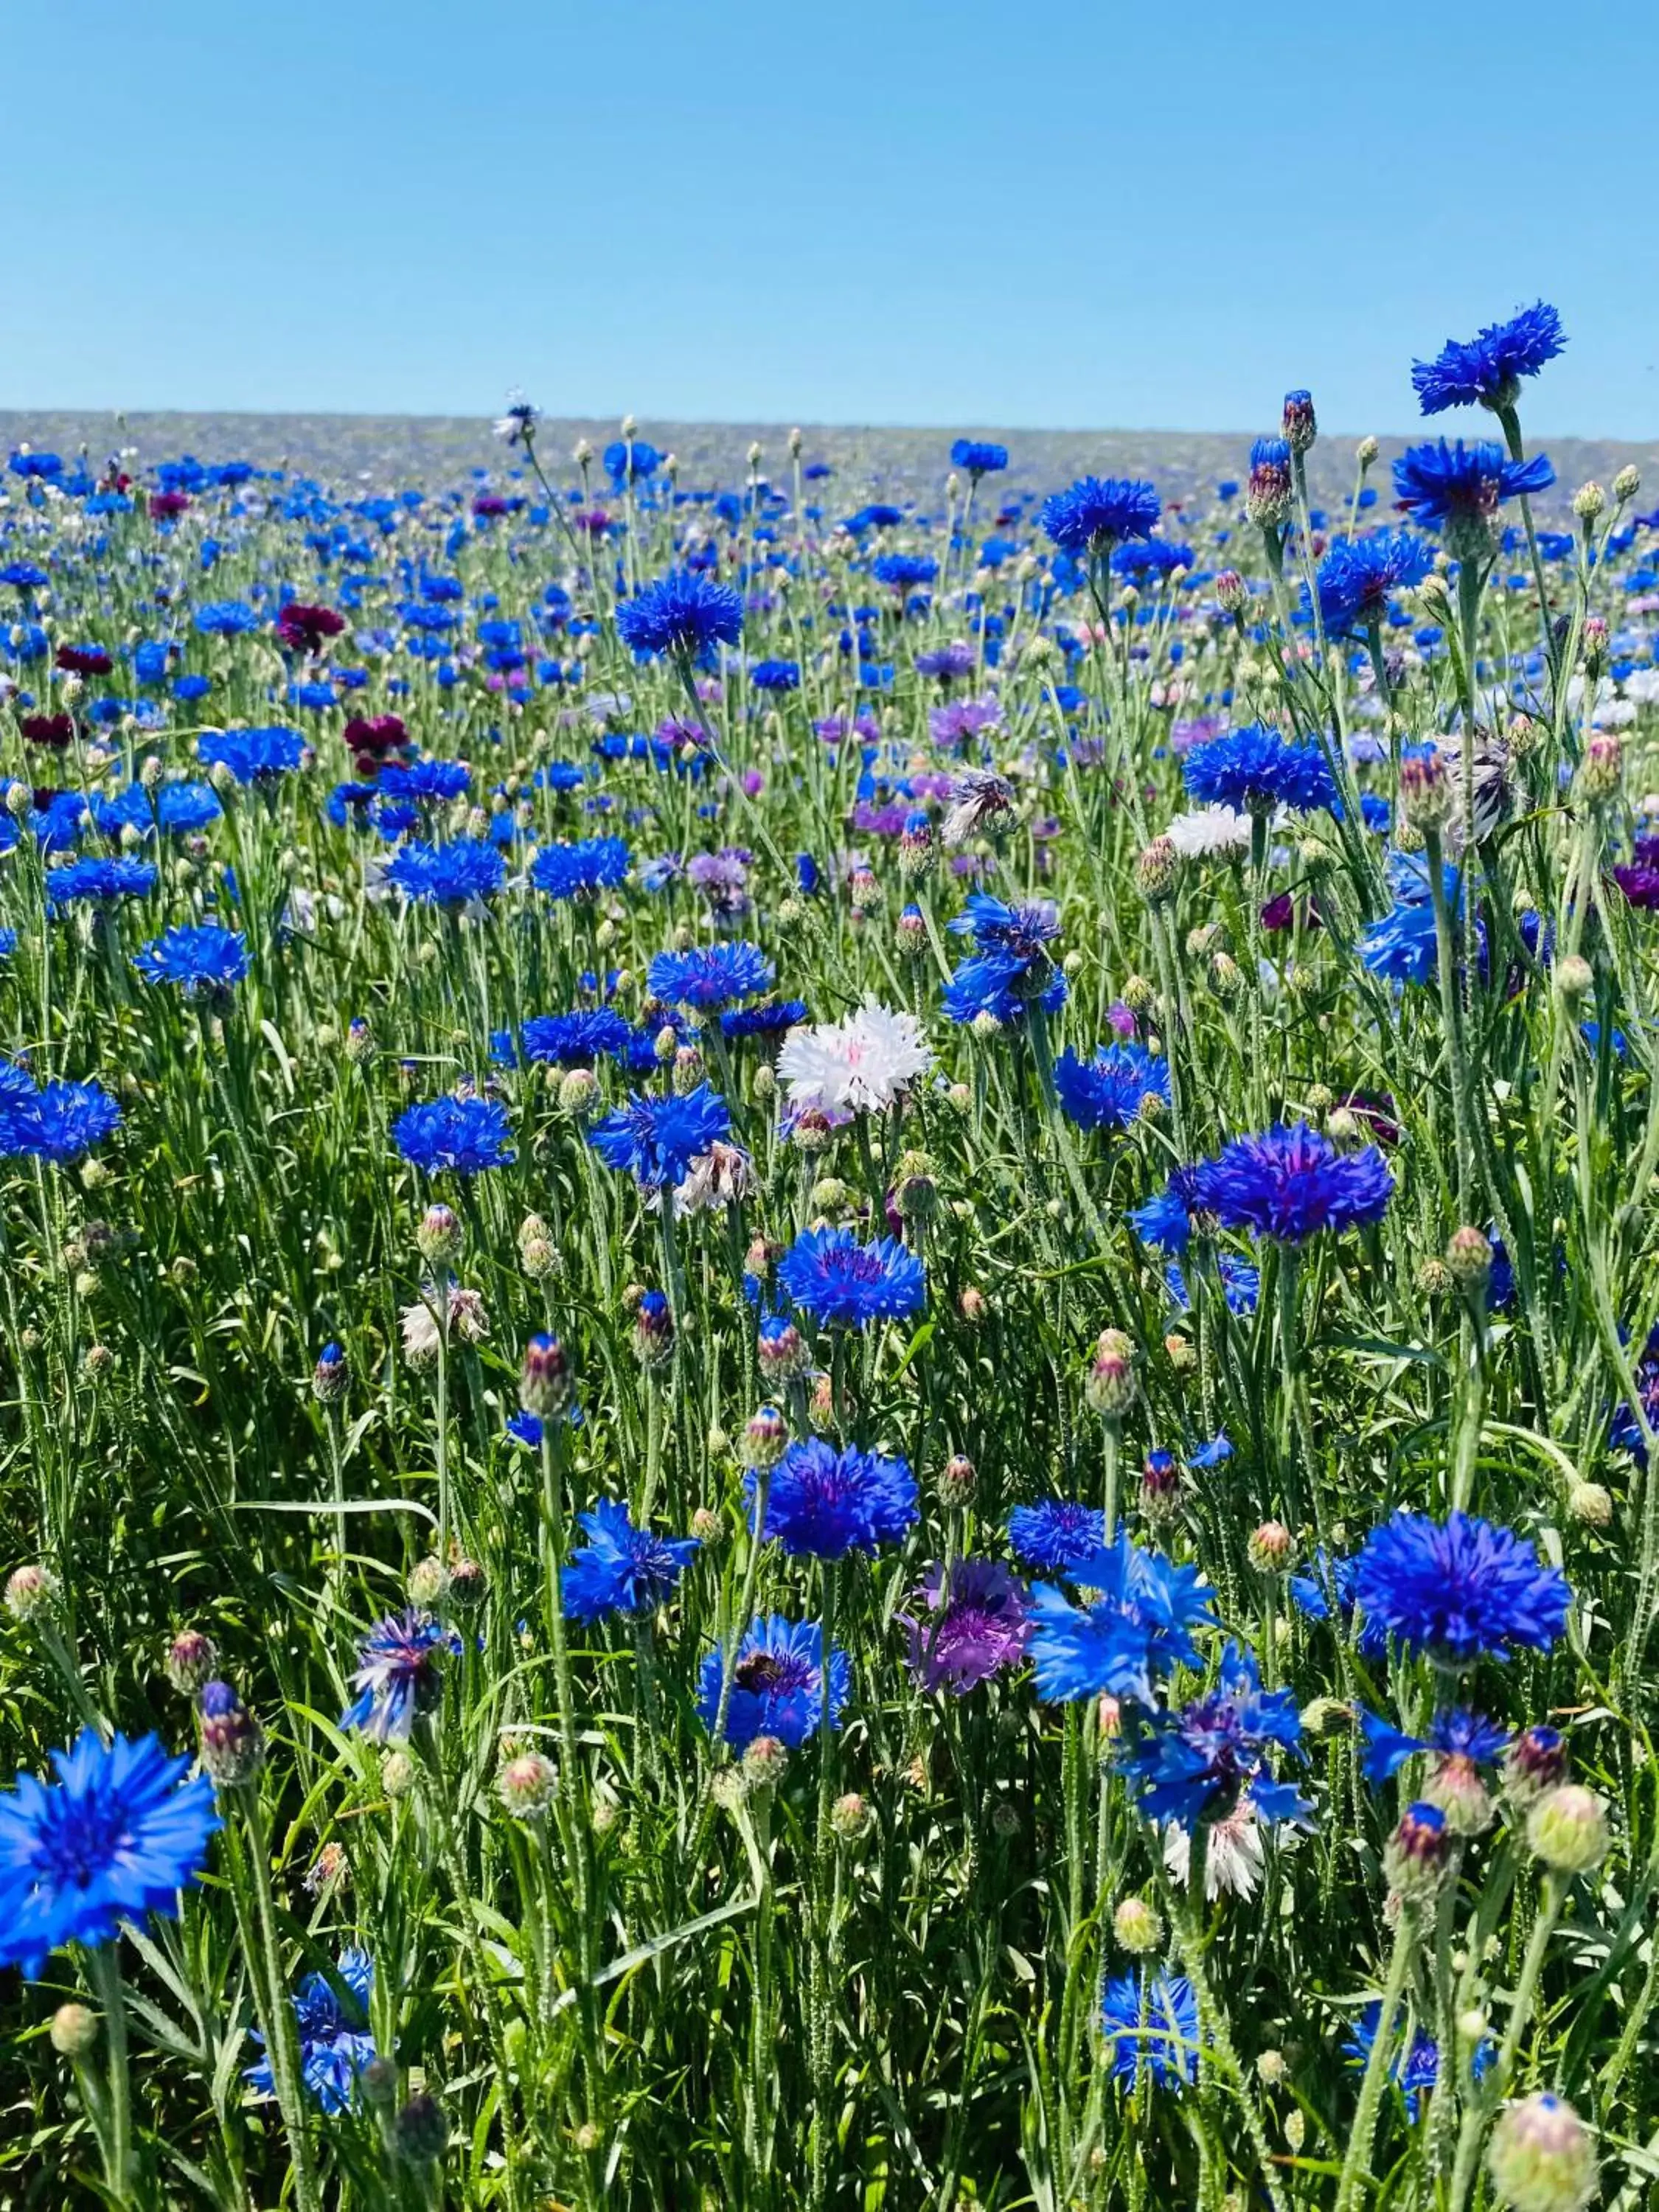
{"x":1066,"y":213}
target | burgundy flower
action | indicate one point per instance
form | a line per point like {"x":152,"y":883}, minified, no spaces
{"x":167,"y":506}
{"x":370,"y":738}
{"x":488,"y":503}
{"x":55,"y":730}
{"x":83,"y":660}
{"x":1375,"y":1114}
{"x":1280,"y":913}
{"x":975,"y":1625}
{"x":302,"y":629}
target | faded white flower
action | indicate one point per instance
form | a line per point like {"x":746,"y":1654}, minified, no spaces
{"x":1233,"y":1862}
{"x":857,"y":1065}
{"x":976,"y":795}
{"x":468,"y":1323}
{"x":1210,"y":832}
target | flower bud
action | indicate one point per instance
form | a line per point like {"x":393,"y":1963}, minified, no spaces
{"x":1591,"y":1502}
{"x":1468,"y":1259}
{"x":1626,"y":485}
{"x":1230,"y":594}
{"x":74,"y":2031}
{"x":191,"y":1660}
{"x":1155,"y":872}
{"x":233,"y":1742}
{"x":420,"y":2131}
{"x":398,"y":1774}
{"x":1426,"y":798}
{"x":331,"y":1378}
{"x":438,"y":1239}
{"x":379,"y":2083}
{"x":544,"y":1377}
{"x":707,"y":1527}
{"x":653,"y":1329}
{"x":765,"y":1437}
{"x":1536,"y":1762}
{"x":527,"y":1785}
{"x":1137,"y":1927}
{"x":1455,"y":1787}
{"x":780,"y":1351}
{"x":849,"y":1817}
{"x":31,"y":1592}
{"x":579,"y":1094}
{"x":1271,"y":1548}
{"x":1540,"y":2157}
{"x":957,"y":1480}
{"x":1575,"y":979}
{"x":1111,"y":1385}
{"x":1601,"y":770}
{"x":1268,"y":494}
{"x":1365,"y":452}
{"x":429,"y":1583}
{"x":1568,"y":1829}
{"x":1589,"y":500}
{"x":1417,"y":1856}
{"x":765,"y":1762}
{"x":1298,"y":424}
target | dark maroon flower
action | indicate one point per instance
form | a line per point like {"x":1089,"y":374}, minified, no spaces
{"x":1280,"y":913}
{"x":302,"y":629}
{"x":55,"y":730}
{"x":167,"y":506}
{"x":593,"y":519}
{"x":1376,"y":1114}
{"x":83,"y":660}
{"x":975,"y":1625}
{"x":370,"y":738}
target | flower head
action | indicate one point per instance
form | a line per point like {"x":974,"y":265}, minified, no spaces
{"x":822,"y":1504}
{"x":1460,"y":487}
{"x":683,"y":613}
{"x":622,"y":1569}
{"x":975,"y":1625}
{"x":1360,"y":576}
{"x":251,"y":755}
{"x":59,"y":1122}
{"x":842,"y":1284}
{"x":861,"y":1064}
{"x":1289,"y":1183}
{"x":1459,"y":1590}
{"x":1057,"y":1535}
{"x":98,"y":882}
{"x":1486,"y":370}
{"x":576,"y":1039}
{"x":194,"y":958}
{"x":657,"y":1139}
{"x":1196,"y":1765}
{"x":582,"y":870}
{"x":1097,"y":513}
{"x":335,"y":2045}
{"x":777,"y":1684}
{"x":466,"y":1135}
{"x":978,"y":456}
{"x":710,"y":976}
{"x":115,"y":1837}
{"x":1256,"y":769}
{"x":1139,"y":1624}
{"x":1149,"y":2026}
{"x":397,"y":1676}
{"x":1108,"y":1092}
{"x":451,"y":874}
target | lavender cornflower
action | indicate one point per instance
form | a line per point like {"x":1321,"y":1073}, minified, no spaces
{"x":976,"y":1624}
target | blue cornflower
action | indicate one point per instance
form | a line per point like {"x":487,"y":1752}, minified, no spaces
{"x":198,"y":958}
{"x":822,"y":1503}
{"x":1289,"y":1183}
{"x":1459,"y":1590}
{"x":1404,"y":945}
{"x":466,"y":1134}
{"x":98,"y":882}
{"x":580,"y":869}
{"x":451,"y":874}
{"x":1150,"y":561}
{"x":656,"y":1139}
{"x":115,"y":1837}
{"x":397,"y":1676}
{"x":1013,"y":964}
{"x":1241,"y":1283}
{"x":1486,"y":370}
{"x":334,"y":2044}
{"x":1150,"y":2025}
{"x":709,"y":975}
{"x":1358,"y":575}
{"x":576,"y":1039}
{"x":904,"y":572}
{"x":1056,"y":1535}
{"x":1139,"y":1624}
{"x":58,"y":1123}
{"x":770,"y":1019}
{"x":1164,"y":1221}
{"x":1416,"y":2066}
{"x":226,"y":618}
{"x":777,"y":1684}
{"x":683,"y":613}
{"x":185,"y":807}
{"x":428,"y":782}
{"x":1195,"y":1765}
{"x":252,"y":755}
{"x":1460,"y":487}
{"x":842,"y":1284}
{"x":1256,"y":769}
{"x":1455,"y":1733}
{"x":1108,"y":1092}
{"x":620,"y":1569}
{"x":979,"y":456}
{"x":775,"y":676}
{"x":631,"y":460}
{"x":1097,"y":512}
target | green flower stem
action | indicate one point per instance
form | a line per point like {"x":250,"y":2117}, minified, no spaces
{"x":1356,"y":2166}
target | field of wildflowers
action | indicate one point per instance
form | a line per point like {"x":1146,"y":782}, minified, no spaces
{"x":831,"y":1331}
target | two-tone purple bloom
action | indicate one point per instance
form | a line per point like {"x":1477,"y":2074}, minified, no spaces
{"x":1289,"y":1183}
{"x":397,"y":1678}
{"x":1196,"y":1765}
{"x":975,"y":1625}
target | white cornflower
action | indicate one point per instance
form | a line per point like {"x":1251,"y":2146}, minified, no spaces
{"x":468,"y":1323}
{"x":976,"y":796}
{"x":1210,"y":832}
{"x":714,"y":1180}
{"x":857,"y":1065}
{"x":1233,"y":1862}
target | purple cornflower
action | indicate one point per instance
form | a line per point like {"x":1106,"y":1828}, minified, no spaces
{"x":397,"y":1676}
{"x":1289,"y":1183}
{"x":975,"y":1625}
